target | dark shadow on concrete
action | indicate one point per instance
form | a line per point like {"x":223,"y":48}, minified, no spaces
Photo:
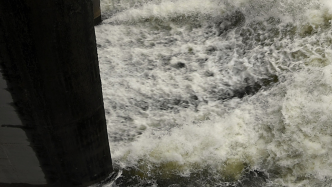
{"x":49,"y":60}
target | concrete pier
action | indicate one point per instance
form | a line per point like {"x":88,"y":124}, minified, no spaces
{"x":52,"y":124}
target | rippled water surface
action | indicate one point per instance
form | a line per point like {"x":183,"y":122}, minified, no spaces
{"x":218,"y":92}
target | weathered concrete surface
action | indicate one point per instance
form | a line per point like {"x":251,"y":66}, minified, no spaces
{"x":49,"y":59}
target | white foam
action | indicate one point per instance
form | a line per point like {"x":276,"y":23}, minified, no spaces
{"x":328,"y":5}
{"x":169,"y":9}
{"x":163,"y":89}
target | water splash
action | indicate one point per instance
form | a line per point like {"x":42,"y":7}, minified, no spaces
{"x":228,"y":93}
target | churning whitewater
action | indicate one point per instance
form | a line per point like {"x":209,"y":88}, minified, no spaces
{"x":218,"y":92}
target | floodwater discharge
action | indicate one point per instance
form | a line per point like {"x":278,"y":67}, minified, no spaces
{"x":218,"y":92}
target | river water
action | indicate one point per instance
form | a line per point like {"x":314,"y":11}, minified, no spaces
{"x":218,"y":92}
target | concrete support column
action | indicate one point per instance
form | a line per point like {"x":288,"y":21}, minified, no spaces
{"x":48,"y":58}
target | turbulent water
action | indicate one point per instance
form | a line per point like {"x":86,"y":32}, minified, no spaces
{"x":218,"y":92}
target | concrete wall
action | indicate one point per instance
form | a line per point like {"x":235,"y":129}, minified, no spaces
{"x":54,"y":132}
